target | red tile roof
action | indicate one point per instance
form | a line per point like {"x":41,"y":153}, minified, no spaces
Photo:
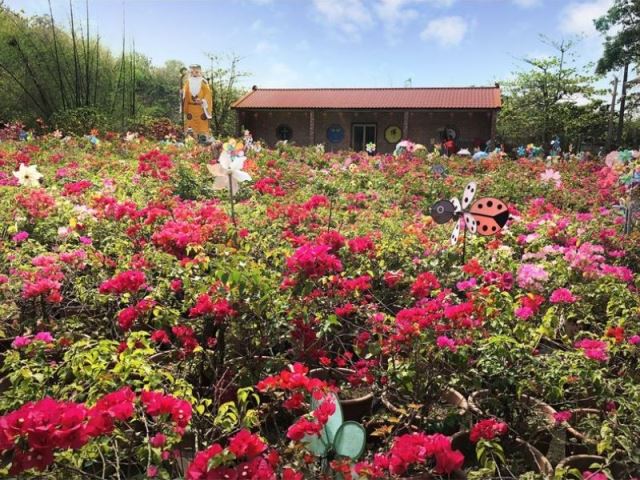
{"x":372,"y":98}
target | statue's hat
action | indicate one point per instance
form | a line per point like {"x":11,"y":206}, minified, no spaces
{"x":195,"y":65}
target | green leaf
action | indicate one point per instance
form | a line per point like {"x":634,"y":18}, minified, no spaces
{"x":350,"y":440}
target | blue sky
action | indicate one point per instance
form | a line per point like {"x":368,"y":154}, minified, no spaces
{"x":333,"y":43}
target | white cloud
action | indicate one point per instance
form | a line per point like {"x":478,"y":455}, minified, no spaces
{"x":394,"y":16}
{"x":447,"y":31}
{"x":526,"y":3}
{"x":577,"y":17}
{"x":264,"y":46}
{"x":281,"y":75}
{"x":348,"y":17}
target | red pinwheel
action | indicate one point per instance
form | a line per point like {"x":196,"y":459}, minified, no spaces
{"x":486,"y":216}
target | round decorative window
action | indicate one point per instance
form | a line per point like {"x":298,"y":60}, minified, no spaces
{"x":284,"y":132}
{"x":393,"y":134}
{"x":335,"y":133}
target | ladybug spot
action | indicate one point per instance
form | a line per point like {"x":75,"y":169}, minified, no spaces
{"x":479,"y":205}
{"x":484,"y":228}
{"x":465,"y":200}
{"x":493,"y":229}
{"x":499,"y":206}
{"x":489,"y":204}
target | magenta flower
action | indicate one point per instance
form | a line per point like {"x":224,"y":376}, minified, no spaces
{"x":524,"y":313}
{"x":562,"y":295}
{"x":45,"y":337}
{"x":21,"y":342}
{"x":20,"y":237}
{"x":587,"y":475}
{"x":634,"y":340}
{"x":593,"y":349}
{"x":563,"y":416}
{"x":446,"y":343}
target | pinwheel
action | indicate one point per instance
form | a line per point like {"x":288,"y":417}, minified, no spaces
{"x":439,"y":170}
{"x":480,"y":155}
{"x":486,"y":216}
{"x":228,"y":171}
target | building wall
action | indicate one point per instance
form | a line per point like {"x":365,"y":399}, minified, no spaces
{"x":263,"y":124}
{"x":471,"y":126}
{"x":424,"y":126}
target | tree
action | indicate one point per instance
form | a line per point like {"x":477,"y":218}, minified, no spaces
{"x":552,"y":97}
{"x":621,"y":23}
{"x":224,"y":80}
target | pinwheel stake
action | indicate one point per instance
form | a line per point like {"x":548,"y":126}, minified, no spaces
{"x":486,"y":216}
{"x":228,"y":173}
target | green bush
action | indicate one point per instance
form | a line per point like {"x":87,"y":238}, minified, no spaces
{"x":79,"y":121}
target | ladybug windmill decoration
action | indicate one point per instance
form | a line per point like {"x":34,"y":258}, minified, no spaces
{"x":486,"y":216}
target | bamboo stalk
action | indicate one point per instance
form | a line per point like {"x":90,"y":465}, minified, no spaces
{"x":76,"y":63}
{"x":57,"y":57}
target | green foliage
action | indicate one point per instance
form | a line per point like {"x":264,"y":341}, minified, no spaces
{"x":243,"y":413}
{"x":552,"y":97}
{"x":79,"y":121}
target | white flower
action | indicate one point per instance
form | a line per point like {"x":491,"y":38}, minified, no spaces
{"x":28,"y":176}
{"x":228,"y":170}
{"x":57,"y":134}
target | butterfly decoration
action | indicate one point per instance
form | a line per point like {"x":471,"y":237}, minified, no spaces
{"x":486,"y":216}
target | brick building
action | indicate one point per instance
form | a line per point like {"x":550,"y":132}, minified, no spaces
{"x":349,"y":118}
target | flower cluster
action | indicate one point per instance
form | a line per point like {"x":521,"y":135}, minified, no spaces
{"x":155,"y":164}
{"x":487,"y":429}
{"x":413,"y":450}
{"x":37,"y":429}
{"x":246,"y":456}
{"x":593,"y":349}
{"x":314,"y":261}
{"x":130,"y":281}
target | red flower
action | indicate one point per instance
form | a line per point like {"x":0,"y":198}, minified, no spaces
{"x":246,"y":444}
{"x":487,"y":429}
{"x":424,"y":285}
{"x":158,"y":440}
{"x":129,"y":281}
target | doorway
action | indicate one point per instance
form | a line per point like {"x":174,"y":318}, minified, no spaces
{"x":361,"y":134}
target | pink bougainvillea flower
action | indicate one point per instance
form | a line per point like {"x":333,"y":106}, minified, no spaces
{"x":593,"y":349}
{"x":588,"y":475}
{"x":563,"y":416}
{"x":447,"y":343}
{"x":562,"y":295}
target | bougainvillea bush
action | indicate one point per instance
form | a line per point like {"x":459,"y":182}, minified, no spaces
{"x":153,"y":326}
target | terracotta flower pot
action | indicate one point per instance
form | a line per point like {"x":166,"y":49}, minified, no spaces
{"x":450,"y":396}
{"x":535,"y":460}
{"x":547,"y":411}
{"x":354,"y":409}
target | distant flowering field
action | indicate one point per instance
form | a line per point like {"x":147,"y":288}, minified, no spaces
{"x":289,"y":314}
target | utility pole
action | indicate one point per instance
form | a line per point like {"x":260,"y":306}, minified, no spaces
{"x":623,"y":100}
{"x":611,"y":114}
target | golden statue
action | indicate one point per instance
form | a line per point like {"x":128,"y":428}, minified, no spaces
{"x":197,"y":104}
